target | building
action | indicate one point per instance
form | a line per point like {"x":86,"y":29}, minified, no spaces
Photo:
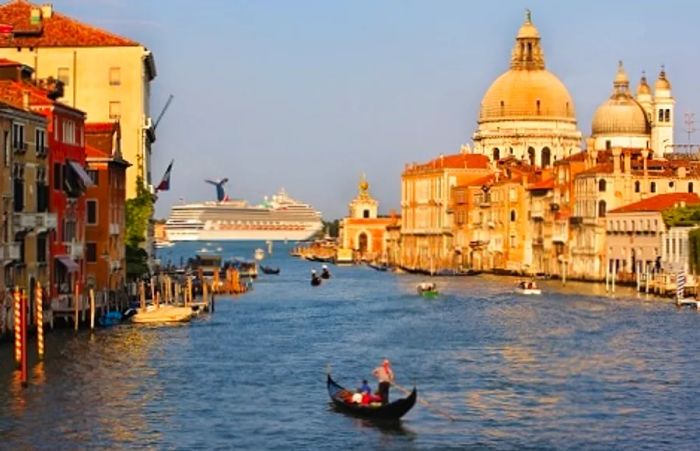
{"x":644,"y":122}
{"x":426,"y":217}
{"x":527,"y":112}
{"x":363,"y":231}
{"x":638,"y":239}
{"x":105,"y":227}
{"x":105,"y":75}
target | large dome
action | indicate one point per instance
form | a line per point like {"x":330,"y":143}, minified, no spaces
{"x":621,"y":114}
{"x":527,"y":94}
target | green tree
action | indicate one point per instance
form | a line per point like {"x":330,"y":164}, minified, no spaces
{"x":138,"y":212}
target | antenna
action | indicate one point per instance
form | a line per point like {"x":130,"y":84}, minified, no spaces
{"x":689,"y":121}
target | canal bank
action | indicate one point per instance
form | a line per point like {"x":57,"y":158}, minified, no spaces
{"x":571,"y":368}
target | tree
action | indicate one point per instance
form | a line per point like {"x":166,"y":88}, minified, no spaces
{"x":139,"y":211}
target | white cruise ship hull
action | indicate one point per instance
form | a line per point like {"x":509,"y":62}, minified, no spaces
{"x":240,"y":235}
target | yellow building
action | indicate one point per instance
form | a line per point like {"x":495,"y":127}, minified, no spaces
{"x":427,"y":242}
{"x":363,"y":231}
{"x":103,"y":74}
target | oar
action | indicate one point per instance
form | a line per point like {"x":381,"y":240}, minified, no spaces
{"x":426,"y":403}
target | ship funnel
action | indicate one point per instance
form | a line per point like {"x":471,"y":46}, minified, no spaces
{"x":219,"y":184}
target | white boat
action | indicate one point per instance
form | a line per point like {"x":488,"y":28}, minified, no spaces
{"x":277,"y":218}
{"x":160,"y":244}
{"x":162,"y":314}
{"x":259,"y":254}
{"x":528,"y":288}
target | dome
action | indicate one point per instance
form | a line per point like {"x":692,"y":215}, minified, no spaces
{"x":643,"y":88}
{"x":621,"y":114}
{"x":531,"y":94}
{"x":527,"y":90}
{"x":662,"y":82}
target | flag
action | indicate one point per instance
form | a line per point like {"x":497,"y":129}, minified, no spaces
{"x":164,"y":184}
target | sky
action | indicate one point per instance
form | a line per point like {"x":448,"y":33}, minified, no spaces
{"x":309,"y":94}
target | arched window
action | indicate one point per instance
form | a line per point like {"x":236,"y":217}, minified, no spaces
{"x":667,"y":116}
{"x":365,"y":213}
{"x":690,"y":187}
{"x":529,"y":51}
{"x":602,"y":185}
{"x":496,"y":154}
{"x":512,"y":216}
{"x":601,"y":209}
{"x":652,"y":187}
{"x":661,"y":115}
{"x":531,"y":155}
{"x":362,"y":243}
{"x":546,"y":157}
{"x":637,"y":186}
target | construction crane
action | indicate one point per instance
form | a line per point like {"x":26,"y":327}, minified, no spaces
{"x":152,"y":130}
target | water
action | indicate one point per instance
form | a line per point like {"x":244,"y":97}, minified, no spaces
{"x":570,"y":369}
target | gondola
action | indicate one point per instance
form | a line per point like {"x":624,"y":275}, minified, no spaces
{"x":269,"y":269}
{"x":378,"y":267}
{"x":388,"y":412}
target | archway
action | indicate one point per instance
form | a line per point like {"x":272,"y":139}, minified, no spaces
{"x":546,"y":157}
{"x":362,"y":242}
{"x":531,"y":155}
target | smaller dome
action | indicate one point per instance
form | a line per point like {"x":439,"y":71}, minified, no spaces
{"x":621,"y":114}
{"x":643,"y":88}
{"x":662,"y":82}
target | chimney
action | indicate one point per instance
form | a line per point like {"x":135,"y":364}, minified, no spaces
{"x":46,"y":10}
{"x":25,"y":100}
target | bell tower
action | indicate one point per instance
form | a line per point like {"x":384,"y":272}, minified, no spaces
{"x":363,"y":206}
{"x":663,"y":117}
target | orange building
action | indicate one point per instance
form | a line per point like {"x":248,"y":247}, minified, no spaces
{"x":105,"y":208}
{"x":364,"y":232}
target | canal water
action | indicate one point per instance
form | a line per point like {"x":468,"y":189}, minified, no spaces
{"x":572,"y":368}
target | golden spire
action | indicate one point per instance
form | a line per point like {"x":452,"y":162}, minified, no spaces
{"x":363,"y":187}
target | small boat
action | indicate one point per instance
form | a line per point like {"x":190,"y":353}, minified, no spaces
{"x":110,"y":319}
{"x":378,"y":267}
{"x":325,"y":274}
{"x":528,"y":288}
{"x":393,"y":411}
{"x":259,"y":254}
{"x":160,"y":244}
{"x":162,"y":314}
{"x":427,"y":289}
{"x":269,"y":269}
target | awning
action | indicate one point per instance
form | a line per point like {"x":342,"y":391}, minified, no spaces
{"x":80,"y":171}
{"x":68,"y":263}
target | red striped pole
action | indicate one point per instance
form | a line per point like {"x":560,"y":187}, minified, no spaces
{"x":39,"y":320}
{"x":24,"y":338}
{"x":16,"y":314}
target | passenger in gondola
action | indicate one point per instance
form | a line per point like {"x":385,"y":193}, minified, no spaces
{"x":365,"y":388}
{"x":385,"y":376}
{"x":325,"y":274}
{"x":315,"y":280}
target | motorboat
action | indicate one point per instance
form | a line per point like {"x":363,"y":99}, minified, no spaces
{"x":162,"y":314}
{"x":528,"y":288}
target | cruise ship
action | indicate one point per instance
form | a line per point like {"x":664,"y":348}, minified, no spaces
{"x":277,"y":218}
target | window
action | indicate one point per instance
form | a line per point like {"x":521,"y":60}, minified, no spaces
{"x":637,"y":186}
{"x":670,"y":184}
{"x":608,"y":145}
{"x":64,"y":75}
{"x":68,"y":230}
{"x":365,"y":213}
{"x":40,"y":142}
{"x":91,"y":252}
{"x":68,"y":132}
{"x":531,"y":155}
{"x":601,"y":209}
{"x":661,"y":115}
{"x":690,"y":187}
{"x":94,"y":176}
{"x":652,"y":187}
{"x":115,"y":76}
{"x":91,"y":208}
{"x":7,"y":150}
{"x":115,"y":110}
{"x":512,"y":216}
{"x":546,"y":157}
{"x":496,"y":154}
{"x":538,"y":106}
{"x":18,"y":137}
{"x":57,"y":172}
{"x":41,"y":248}
{"x":601,"y":185}
{"x":667,"y":115}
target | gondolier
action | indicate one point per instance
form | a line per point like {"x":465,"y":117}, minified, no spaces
{"x":385,"y":376}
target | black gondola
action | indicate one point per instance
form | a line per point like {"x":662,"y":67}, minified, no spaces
{"x":269,"y":269}
{"x":392,"y":411}
{"x":379,"y":267}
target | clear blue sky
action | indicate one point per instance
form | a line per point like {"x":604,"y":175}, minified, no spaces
{"x":307,"y":95}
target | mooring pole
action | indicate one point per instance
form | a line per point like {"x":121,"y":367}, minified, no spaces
{"x":92,"y":309}
{"x":17,"y":316}
{"x":39,"y":320}
{"x":76,"y":301}
{"x":24,"y":317}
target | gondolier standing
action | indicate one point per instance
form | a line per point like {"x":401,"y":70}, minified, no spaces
{"x":385,"y":376}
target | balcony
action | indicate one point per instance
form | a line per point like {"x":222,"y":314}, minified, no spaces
{"x":46,"y":221}
{"x":559,"y":238}
{"x":76,"y":250}
{"x":10,"y":251}
{"x":19,"y":147}
{"x":24,"y":221}
{"x":114,"y":229}
{"x":537,"y":213}
{"x":42,"y":152}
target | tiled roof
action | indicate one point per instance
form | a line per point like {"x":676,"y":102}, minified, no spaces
{"x":542,"y":184}
{"x":54,"y":31}
{"x":12,"y":92}
{"x":455,"y":161}
{"x":100,"y":127}
{"x":659,"y":202}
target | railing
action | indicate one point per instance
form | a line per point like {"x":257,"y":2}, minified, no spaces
{"x":113,"y":229}
{"x":18,"y":147}
{"x":24,"y":221}
{"x":76,"y":250}
{"x":10,"y":251}
{"x":46,"y":220}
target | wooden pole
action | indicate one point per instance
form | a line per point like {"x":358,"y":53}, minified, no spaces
{"x":153,"y":289}
{"x":647,"y":281}
{"x":17,"y":316}
{"x":92,"y":309}
{"x":76,"y":300}
{"x":39,"y":320}
{"x":205,"y":290}
{"x":142,"y":294}
{"x":24,"y":316}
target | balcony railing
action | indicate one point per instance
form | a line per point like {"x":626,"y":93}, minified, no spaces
{"x":19,"y":147}
{"x":114,"y":229}
{"x":10,"y":251}
{"x":46,"y":220}
{"x":24,"y":221}
{"x":76,"y":250}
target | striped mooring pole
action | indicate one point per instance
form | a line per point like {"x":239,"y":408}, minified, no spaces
{"x":39,"y":320}
{"x":17,"y":315}
{"x":24,"y":316}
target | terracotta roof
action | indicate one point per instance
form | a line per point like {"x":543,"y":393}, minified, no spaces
{"x":54,"y":31}
{"x":100,"y":127}
{"x":94,"y":152}
{"x":12,"y":92}
{"x":4,"y":62}
{"x":455,"y":161}
{"x":542,"y":184}
{"x":659,"y":203}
